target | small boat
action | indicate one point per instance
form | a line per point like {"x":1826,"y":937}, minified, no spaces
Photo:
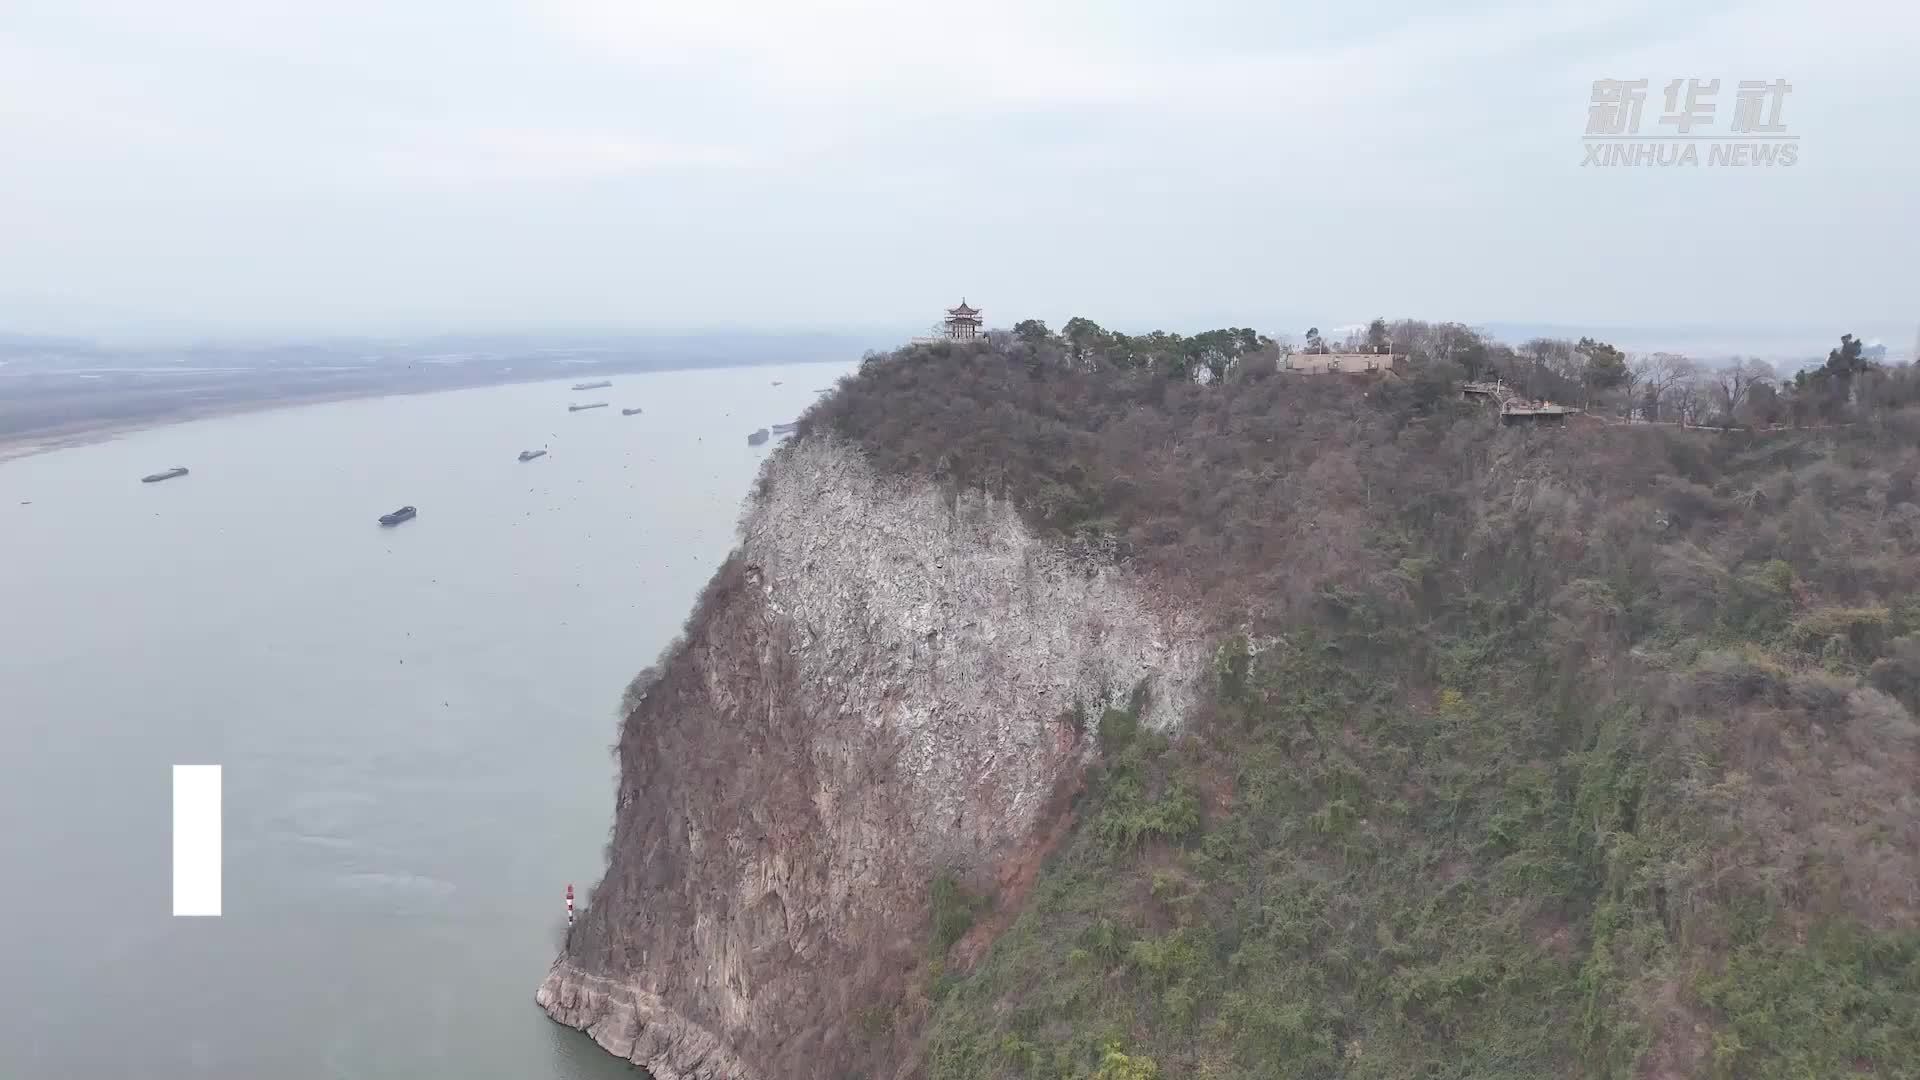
{"x":630,"y":412}
{"x":529,"y":455}
{"x":405,"y":513}
{"x":776,"y":382}
{"x":592,"y":385}
{"x":757,"y":437}
{"x":595,"y":405}
{"x":784,"y":429}
{"x":155,"y":478}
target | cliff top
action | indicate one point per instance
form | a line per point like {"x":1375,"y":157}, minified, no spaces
{"x":1103,"y":706}
{"x":1559,"y":752}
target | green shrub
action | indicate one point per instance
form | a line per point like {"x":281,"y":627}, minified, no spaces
{"x":1846,"y":634}
{"x":1118,"y":729}
{"x":954,"y":910}
{"x":1230,"y":665}
{"x":1115,"y":1065}
{"x":1844,"y":1003}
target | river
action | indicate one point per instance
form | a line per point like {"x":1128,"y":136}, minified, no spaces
{"x":413,"y":723}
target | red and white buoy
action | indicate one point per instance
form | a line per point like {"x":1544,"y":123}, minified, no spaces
{"x":569,"y":903}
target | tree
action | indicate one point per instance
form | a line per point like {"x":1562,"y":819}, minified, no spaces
{"x":1032,"y":331}
{"x":1763,"y":407}
{"x":1218,"y":351}
{"x":1085,"y":339}
{"x":1315,"y":343}
{"x":1431,"y":382}
{"x":1827,"y":390}
{"x":1603,"y":368}
{"x":1731,"y":386}
{"x":1552,"y":370}
{"x":1377,"y":335}
{"x":1449,"y":341}
{"x":1843,"y":365}
{"x":1688,"y":398}
{"x":1845,"y":362}
{"x":1660,"y":378}
{"x":1406,"y":336}
{"x":1557,"y":355}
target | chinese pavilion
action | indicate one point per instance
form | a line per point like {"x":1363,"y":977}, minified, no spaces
{"x":963,"y":322}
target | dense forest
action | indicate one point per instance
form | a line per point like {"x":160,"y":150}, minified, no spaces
{"x":1582,"y":751}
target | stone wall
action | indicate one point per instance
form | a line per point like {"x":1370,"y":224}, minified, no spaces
{"x":1347,"y":363}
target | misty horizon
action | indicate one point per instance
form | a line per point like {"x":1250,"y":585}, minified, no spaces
{"x":1775,"y":342}
{"x":210,"y":170}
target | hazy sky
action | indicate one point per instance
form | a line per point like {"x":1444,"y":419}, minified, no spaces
{"x":376,"y":165}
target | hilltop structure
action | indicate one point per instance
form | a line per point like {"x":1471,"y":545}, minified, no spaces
{"x":962,"y":323}
{"x":1341,"y":363}
{"x":1515,"y":409}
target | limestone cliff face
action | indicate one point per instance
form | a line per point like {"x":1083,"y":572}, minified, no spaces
{"x":870,"y":693}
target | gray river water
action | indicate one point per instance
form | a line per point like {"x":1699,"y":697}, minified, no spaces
{"x":413,"y":722}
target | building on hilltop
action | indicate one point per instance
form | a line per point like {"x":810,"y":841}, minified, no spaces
{"x":1536,"y":412}
{"x":1515,"y":409}
{"x":1487,"y":393}
{"x":962,"y":323}
{"x":1341,"y":363}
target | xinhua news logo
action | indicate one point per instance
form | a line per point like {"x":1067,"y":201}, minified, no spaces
{"x":1686,"y":136}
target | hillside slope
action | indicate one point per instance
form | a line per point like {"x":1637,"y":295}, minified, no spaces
{"x":1470,"y":752}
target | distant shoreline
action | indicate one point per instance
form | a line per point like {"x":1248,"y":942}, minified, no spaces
{"x":102,"y":429}
{"x":105,"y":429}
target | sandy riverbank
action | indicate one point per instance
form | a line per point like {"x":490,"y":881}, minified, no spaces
{"x":249,"y":399}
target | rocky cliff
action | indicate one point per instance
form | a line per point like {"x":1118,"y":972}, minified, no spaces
{"x":878,"y":687}
{"x":1535,"y":753}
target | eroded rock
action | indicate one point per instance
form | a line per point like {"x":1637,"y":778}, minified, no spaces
{"x":871,"y":692}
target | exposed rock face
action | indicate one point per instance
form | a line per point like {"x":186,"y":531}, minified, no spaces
{"x":871,"y":692}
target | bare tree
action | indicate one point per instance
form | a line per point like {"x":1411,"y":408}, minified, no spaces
{"x":1661,"y":378}
{"x":1551,"y":366}
{"x":1630,"y":386}
{"x":1554,"y":354}
{"x":1410,"y":337}
{"x":1733,"y":384}
{"x":1465,"y":346}
{"x":1691,"y":397}
{"x":1425,"y":342}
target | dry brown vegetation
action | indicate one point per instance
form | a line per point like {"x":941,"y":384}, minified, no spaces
{"x":1579,"y":753}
